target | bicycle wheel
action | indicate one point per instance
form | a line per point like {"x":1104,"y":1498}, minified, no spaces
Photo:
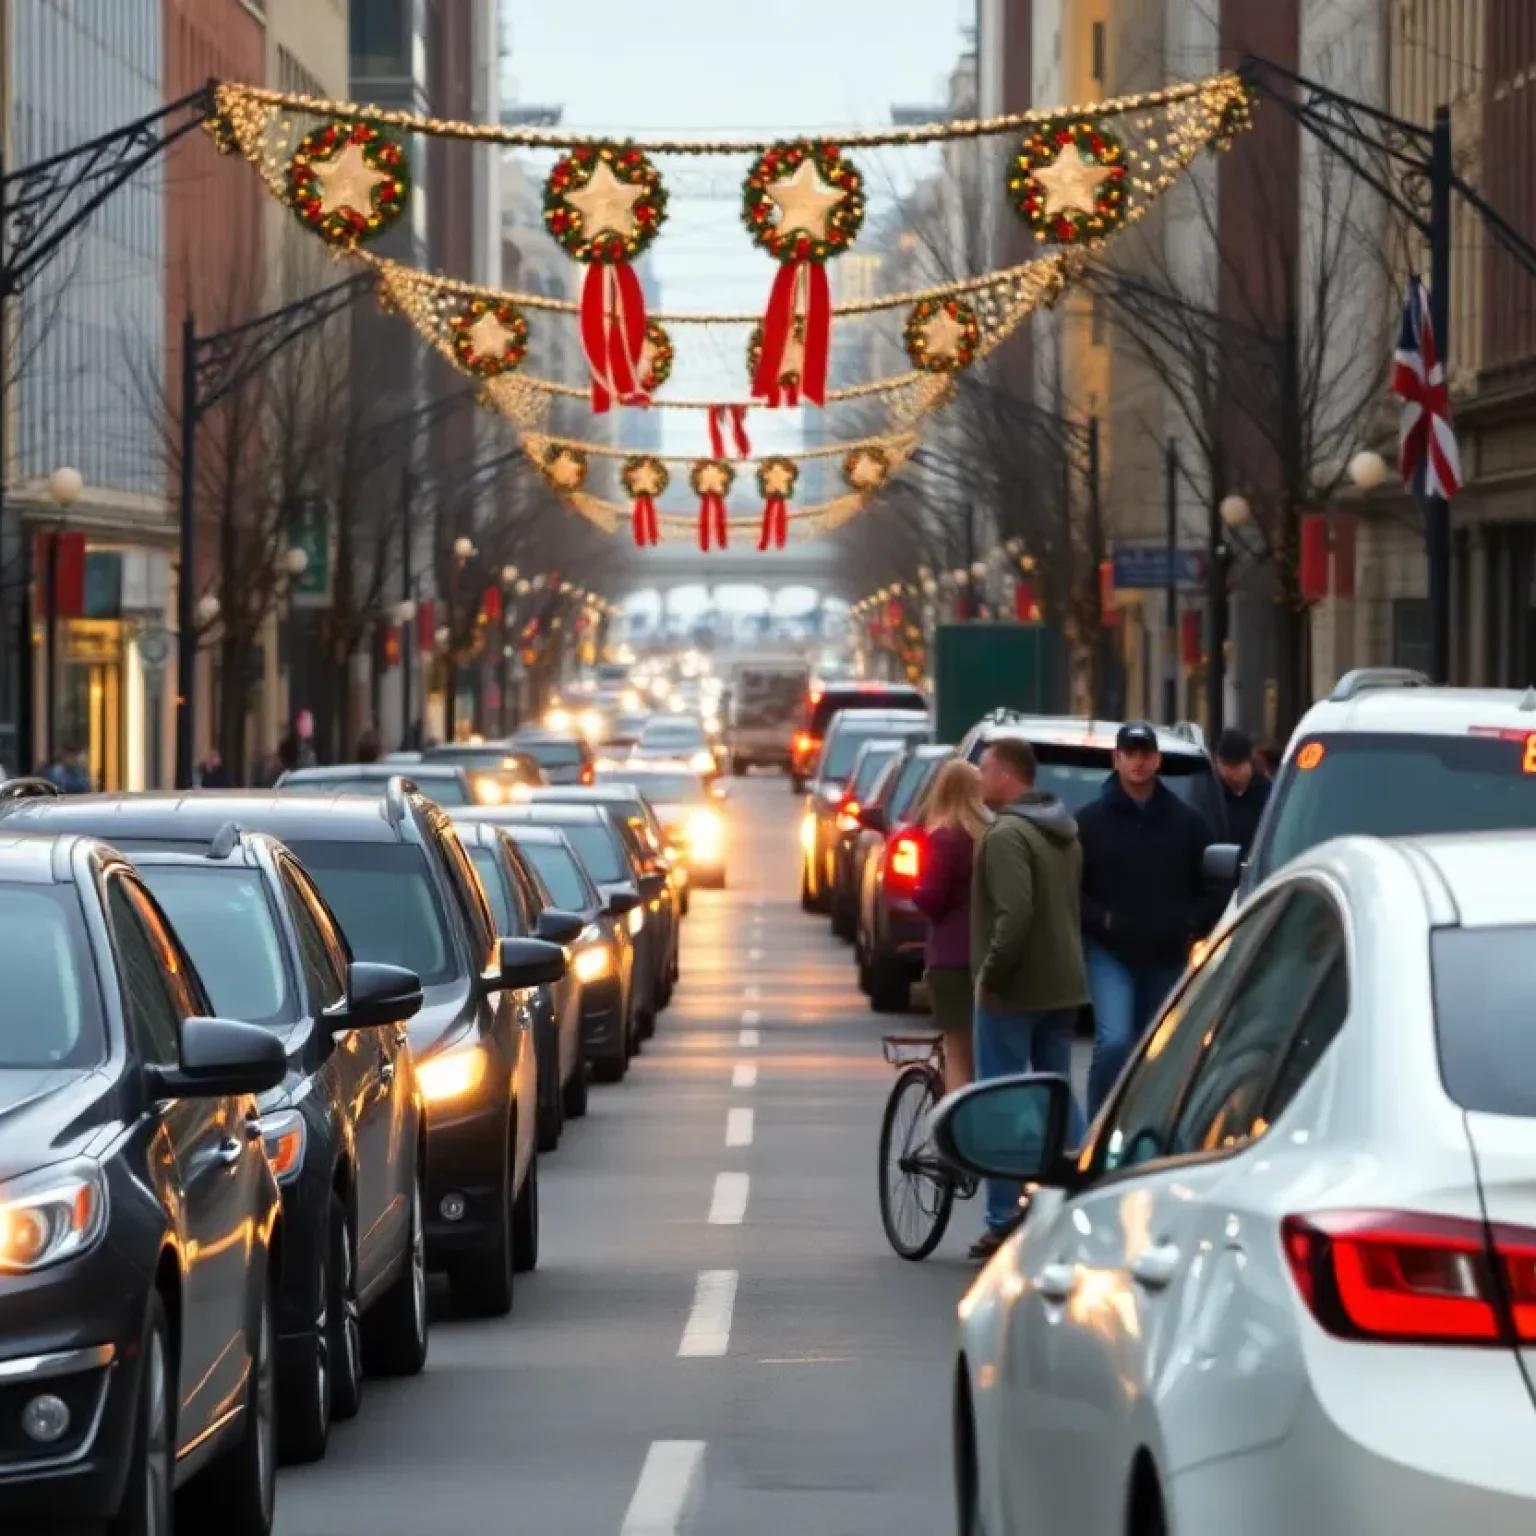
{"x":917,"y":1193}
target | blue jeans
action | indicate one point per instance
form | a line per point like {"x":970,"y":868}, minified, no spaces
{"x":1125,"y":1001}
{"x":1009,"y":1043}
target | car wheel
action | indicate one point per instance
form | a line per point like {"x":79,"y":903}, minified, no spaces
{"x":796,"y":784}
{"x":889,"y":989}
{"x":306,"y":1394}
{"x":844,"y":920}
{"x":235,"y":1495}
{"x":866,"y":976}
{"x":807,"y":901}
{"x":611,"y":1069}
{"x":146,"y":1506}
{"x":645,"y":1026}
{"x":576,"y":1091}
{"x":525,"y":1222}
{"x":395,"y":1329}
{"x":346,"y":1319}
{"x":481,"y":1283}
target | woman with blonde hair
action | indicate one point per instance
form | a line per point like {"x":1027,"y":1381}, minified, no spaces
{"x":954,"y":819}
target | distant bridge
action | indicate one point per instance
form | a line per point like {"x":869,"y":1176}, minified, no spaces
{"x":814,"y":563}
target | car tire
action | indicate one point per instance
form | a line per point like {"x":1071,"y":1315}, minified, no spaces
{"x":611,"y":1069}
{"x":481,"y":1283}
{"x":684,"y":904}
{"x":889,"y":989}
{"x":796,"y":784}
{"x":551,"y":1113}
{"x":346,"y":1319}
{"x":395,"y":1329}
{"x":645,"y":1026}
{"x":844,"y":920}
{"x":575,"y":1090}
{"x":147,"y":1492}
{"x":306,"y":1396}
{"x":525,"y":1222}
{"x":866,"y":976}
{"x":235,"y":1494}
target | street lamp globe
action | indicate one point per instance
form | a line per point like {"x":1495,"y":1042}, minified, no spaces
{"x":960,"y":577}
{"x":508,"y":575}
{"x":207,"y":608}
{"x":978,"y":570}
{"x":523,"y":587}
{"x":405,"y":611}
{"x":1235,"y":510}
{"x":65,"y":486}
{"x":462,"y":548}
{"x":1368,"y":470}
{"x":296,"y":561}
{"x":442,"y":635}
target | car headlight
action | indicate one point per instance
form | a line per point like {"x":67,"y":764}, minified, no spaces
{"x":282,"y":1134}
{"x":54,"y":1215}
{"x":702,"y":762}
{"x":558,"y":720}
{"x":594,"y":963}
{"x":706,"y":834}
{"x":452,"y":1075}
{"x":808,"y":833}
{"x":636,"y":920}
{"x":591,"y":725}
{"x":489,"y":792}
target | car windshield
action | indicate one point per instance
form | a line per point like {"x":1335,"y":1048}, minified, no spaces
{"x":384,"y":899}
{"x":599,"y":849}
{"x":479,"y":760}
{"x":871,"y":765}
{"x":560,"y":873}
{"x":50,"y":1011}
{"x":658,"y":788}
{"x":207,"y":905}
{"x":910,"y":778}
{"x":822,"y":709}
{"x":488,"y":867}
{"x":1484,"y":979}
{"x":1388,"y":785}
{"x":553,"y":754}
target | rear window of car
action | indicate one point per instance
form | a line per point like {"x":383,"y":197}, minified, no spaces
{"x":871,"y":766}
{"x":842,"y":746}
{"x":554,"y":754}
{"x":493,"y":878}
{"x":1387,"y":785}
{"x":560,"y":873}
{"x":658,"y":788}
{"x":911,"y":777}
{"x":1483,"y":981}
{"x":831,"y":703}
{"x":687,"y":734}
{"x":446,"y":789}
{"x":1077,"y":774}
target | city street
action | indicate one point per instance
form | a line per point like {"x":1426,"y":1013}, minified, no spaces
{"x":717,"y":1338}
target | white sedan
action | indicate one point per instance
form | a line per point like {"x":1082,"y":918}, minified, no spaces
{"x":1288,"y":1285}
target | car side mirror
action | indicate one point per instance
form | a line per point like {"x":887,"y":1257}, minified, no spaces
{"x":560,"y":927}
{"x":527,"y":963}
{"x":872,"y":818}
{"x":378,"y":995}
{"x":1008,"y":1128}
{"x":1221,"y":864}
{"x":622,"y":903}
{"x":652,"y":885}
{"x":219,"y":1058}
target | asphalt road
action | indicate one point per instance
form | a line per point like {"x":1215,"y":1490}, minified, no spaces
{"x":718,"y":1339}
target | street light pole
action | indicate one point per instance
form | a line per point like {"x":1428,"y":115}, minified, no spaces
{"x":1171,"y":594}
{"x":186,"y":579}
{"x":1437,"y":510}
{"x":407,"y":596}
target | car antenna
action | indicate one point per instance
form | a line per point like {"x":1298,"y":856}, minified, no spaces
{"x":225,"y":841}
{"x":1527,"y":700}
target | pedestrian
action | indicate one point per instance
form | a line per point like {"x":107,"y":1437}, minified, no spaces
{"x":954,"y":821}
{"x":1268,"y":758}
{"x":1145,"y":900}
{"x":1244,"y":790}
{"x":212,"y":774}
{"x":68,"y":772}
{"x":368,"y":746}
{"x":1026,"y":943}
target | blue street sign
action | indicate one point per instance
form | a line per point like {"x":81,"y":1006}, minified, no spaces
{"x":1144,"y":567}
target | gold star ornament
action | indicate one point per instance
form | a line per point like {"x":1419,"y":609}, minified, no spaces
{"x":566,"y":469}
{"x":942,"y":336}
{"x":606,"y":204}
{"x":646,"y":478}
{"x":1071,"y":182}
{"x":488,"y":337}
{"x":712,"y":478}
{"x":347,"y":181}
{"x":804,"y":201}
{"x":778,"y":478}
{"x":866,"y":469}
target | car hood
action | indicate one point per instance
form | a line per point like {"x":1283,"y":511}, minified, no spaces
{"x":446,"y":1011}
{"x":49,"y":1113}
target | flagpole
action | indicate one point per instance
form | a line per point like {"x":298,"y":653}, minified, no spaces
{"x":1437,"y":509}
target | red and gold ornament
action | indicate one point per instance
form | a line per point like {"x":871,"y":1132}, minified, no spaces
{"x":803,"y":203}
{"x":776,"y":479}
{"x":490,"y":337}
{"x":942,"y":335}
{"x":645,"y":478}
{"x":712,"y":480}
{"x":656,"y":357}
{"x":604,"y":203}
{"x":1068,"y":182}
{"x":348,"y":181}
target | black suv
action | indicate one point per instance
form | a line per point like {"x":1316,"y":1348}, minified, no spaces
{"x":398,"y":879}
{"x":343,"y":1133}
{"x":141,"y":1229}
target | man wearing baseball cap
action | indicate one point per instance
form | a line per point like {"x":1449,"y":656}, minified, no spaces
{"x":1145,"y":899}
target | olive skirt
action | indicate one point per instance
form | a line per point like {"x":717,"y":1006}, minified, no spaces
{"x":953,"y":995}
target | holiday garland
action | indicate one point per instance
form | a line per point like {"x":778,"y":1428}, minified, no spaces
{"x":575,"y":174}
{"x":565,"y":467}
{"x":483,"y":321}
{"x":1068,"y":183}
{"x":371,"y":177}
{"x":777,"y":476}
{"x":780,"y":165}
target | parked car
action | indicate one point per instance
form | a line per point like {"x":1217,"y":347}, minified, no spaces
{"x":138,"y":1348}
{"x":496,"y":772}
{"x":522,"y":908}
{"x":401,"y":885}
{"x":1313,"y":1174}
{"x":565,"y":756}
{"x":344,"y":1131}
{"x":824,"y":701}
{"x":874,"y":755}
{"x":892,"y":933}
{"x":603,"y":957}
{"x":688,"y":811}
{"x":678,"y":737}
{"x":820,"y":832}
{"x":447,"y":783}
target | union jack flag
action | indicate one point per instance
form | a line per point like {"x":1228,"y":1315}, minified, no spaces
{"x":1427,"y":457}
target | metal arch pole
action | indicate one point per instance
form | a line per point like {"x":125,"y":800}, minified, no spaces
{"x":186,"y":606}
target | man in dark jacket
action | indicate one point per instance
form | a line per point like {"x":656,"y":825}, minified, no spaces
{"x":1244,"y":791}
{"x":1026,"y":941}
{"x":1144,"y":900}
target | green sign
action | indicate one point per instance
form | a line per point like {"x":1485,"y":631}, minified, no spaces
{"x":309,"y":529}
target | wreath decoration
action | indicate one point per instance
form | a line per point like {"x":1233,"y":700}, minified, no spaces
{"x":967,"y":343}
{"x":648,"y":466}
{"x":662,"y":355}
{"x":777,"y":468}
{"x":382,"y":155}
{"x":574,"y":171}
{"x":871,"y":454}
{"x":489,"y":365}
{"x":702,"y":467}
{"x":565,"y":467}
{"x":1044,"y":147}
{"x":778,"y":163}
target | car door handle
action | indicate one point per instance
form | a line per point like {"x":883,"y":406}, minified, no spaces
{"x":231,"y":1151}
{"x":1156,"y":1266}
{"x":1056,"y":1282}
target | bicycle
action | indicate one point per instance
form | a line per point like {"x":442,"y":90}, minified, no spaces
{"x":918,"y":1189}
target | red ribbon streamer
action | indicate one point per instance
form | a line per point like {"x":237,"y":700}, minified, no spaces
{"x":800,"y":293}
{"x":613,"y":334}
{"x":775,"y":524}
{"x":711,"y":520}
{"x":738,"y":415}
{"x":646,"y":525}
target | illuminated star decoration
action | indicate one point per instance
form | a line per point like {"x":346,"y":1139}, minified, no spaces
{"x":805,"y":201}
{"x":606,"y":203}
{"x":566,"y":470}
{"x":347,"y":181}
{"x":1071,"y":182}
{"x":942,"y":336}
{"x":489,"y":338}
{"x":647,"y":478}
{"x":779,"y":478}
{"x":712,"y":479}
{"x":866,"y":470}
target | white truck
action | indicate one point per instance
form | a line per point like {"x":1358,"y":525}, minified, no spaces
{"x":767,"y":700}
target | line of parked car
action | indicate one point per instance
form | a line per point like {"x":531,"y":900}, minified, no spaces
{"x":269,"y":1058}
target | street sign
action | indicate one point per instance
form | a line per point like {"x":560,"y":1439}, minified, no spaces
{"x":1144,"y":567}
{"x":309,"y":529}
{"x":154,"y":648}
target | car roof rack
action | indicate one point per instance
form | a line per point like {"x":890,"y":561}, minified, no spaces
{"x":30,"y":788}
{"x":225,"y":841}
{"x":1370,"y":679}
{"x":396,"y":788}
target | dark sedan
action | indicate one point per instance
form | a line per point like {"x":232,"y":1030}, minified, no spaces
{"x":565,"y":756}
{"x":139,"y":1219}
{"x":496,"y":773}
{"x":874,"y":756}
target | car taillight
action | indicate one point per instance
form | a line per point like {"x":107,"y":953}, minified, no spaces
{"x":804,"y":743}
{"x":1414,"y":1279}
{"x":906,"y":857}
{"x":848,"y":815}
{"x":587,"y":775}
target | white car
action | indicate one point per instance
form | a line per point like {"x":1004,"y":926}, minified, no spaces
{"x":1289,"y":1283}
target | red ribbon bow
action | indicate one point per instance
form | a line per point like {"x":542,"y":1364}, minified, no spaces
{"x":738,"y":415}
{"x":645,"y":522}
{"x":711,"y":520}
{"x":775,"y":524}
{"x":797,"y":335}
{"x":613,"y":334}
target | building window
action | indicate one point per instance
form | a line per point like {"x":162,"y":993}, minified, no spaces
{"x":1099,"y":69}
{"x":1410,"y":633}
{"x":380,"y":37}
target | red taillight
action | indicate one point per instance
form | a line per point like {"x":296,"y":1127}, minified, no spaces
{"x":848,"y":815}
{"x":1414,"y":1279}
{"x":906,"y":857}
{"x":587,"y":775}
{"x":804,"y":743}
